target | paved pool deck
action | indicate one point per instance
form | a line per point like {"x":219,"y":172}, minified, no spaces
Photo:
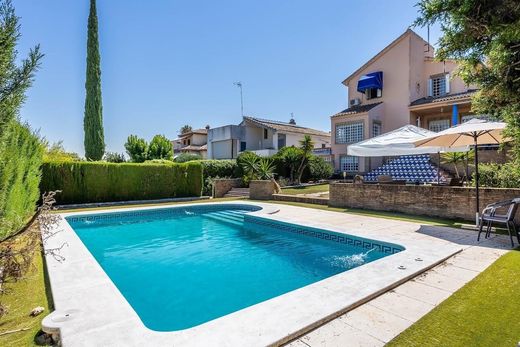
{"x":344,"y":310}
{"x":378,"y":321}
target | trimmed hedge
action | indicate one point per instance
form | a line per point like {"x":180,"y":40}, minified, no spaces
{"x":86,"y":182}
{"x":220,"y":168}
{"x":20,"y":159}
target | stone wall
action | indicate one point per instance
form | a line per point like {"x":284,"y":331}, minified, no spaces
{"x":299,"y":198}
{"x":261,"y":190}
{"x":434,"y":201}
{"x":224,"y":185}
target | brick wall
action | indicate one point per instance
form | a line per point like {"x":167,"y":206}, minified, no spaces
{"x":222,"y":186}
{"x":434,"y":201}
{"x":304,"y":199}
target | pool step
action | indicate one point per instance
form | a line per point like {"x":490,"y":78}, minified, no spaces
{"x":237,"y":193}
{"x":231,"y":217}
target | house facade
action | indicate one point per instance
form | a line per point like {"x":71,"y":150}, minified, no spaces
{"x":193,"y":142}
{"x":262,"y":136}
{"x":400,"y":85}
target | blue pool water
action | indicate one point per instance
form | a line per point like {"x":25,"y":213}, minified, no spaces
{"x":180,"y":267}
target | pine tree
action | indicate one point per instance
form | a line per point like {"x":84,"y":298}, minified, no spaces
{"x":93,"y":122}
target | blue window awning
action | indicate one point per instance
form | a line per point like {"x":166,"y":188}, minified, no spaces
{"x":369,"y":81}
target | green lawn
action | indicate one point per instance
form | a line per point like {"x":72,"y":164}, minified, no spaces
{"x":485,"y":312}
{"x":320,"y":188}
{"x":379,"y":214}
{"x":21,"y":297}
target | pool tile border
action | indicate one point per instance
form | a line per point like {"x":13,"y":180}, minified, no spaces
{"x":346,"y":239}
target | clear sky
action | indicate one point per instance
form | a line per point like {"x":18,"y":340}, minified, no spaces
{"x":168,"y":63}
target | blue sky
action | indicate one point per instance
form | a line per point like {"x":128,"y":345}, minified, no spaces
{"x":168,"y":63}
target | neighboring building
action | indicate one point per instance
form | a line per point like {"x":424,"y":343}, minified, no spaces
{"x":193,"y":142}
{"x":401,"y":85}
{"x":264,"y":137}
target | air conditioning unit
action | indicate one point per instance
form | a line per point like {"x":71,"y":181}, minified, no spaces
{"x":355,"y":102}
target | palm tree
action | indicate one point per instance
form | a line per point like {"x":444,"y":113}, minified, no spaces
{"x":265,"y":169}
{"x":185,"y":129}
{"x":306,"y":145}
{"x":456,"y":158}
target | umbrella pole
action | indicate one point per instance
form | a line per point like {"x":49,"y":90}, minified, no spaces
{"x":476,"y":180}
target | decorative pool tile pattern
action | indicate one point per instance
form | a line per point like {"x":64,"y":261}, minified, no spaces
{"x":143,"y":215}
{"x":368,"y":244}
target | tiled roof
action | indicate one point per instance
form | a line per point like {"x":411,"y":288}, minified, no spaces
{"x":357,"y":109}
{"x":443,"y":98}
{"x":194,"y":148}
{"x":285,"y":127}
{"x":196,"y":131}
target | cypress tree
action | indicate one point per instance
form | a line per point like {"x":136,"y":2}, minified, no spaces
{"x":93,"y":121}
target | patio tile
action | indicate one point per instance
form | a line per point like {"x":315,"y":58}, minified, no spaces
{"x":450,"y":270}
{"x":477,"y":265}
{"x":338,"y":334}
{"x":423,"y":292}
{"x":402,"y":306}
{"x":441,"y":281}
{"x":380,"y":324}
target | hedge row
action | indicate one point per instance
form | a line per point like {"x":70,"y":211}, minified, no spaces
{"x":20,"y":160}
{"x":86,"y":182}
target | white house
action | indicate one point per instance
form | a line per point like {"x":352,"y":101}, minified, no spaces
{"x":262,"y":136}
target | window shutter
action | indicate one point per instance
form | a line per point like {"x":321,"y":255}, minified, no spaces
{"x":447,"y":83}
{"x":430,"y":87}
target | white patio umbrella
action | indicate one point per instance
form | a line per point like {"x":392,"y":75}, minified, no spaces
{"x":399,"y":142}
{"x":472,"y":133}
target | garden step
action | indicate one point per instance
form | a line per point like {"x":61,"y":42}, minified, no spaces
{"x":238,"y":192}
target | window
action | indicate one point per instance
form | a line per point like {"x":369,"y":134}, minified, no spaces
{"x":438,"y":125}
{"x":348,"y":163}
{"x":349,"y":133}
{"x":265,"y":134}
{"x":281,"y":141}
{"x":373,"y":93}
{"x":242,"y":146}
{"x":439,"y":85}
{"x":376,"y":129}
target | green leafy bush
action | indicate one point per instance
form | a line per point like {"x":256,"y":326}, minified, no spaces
{"x":84,"y":182}
{"x":220,"y":168}
{"x":114,"y":157}
{"x":160,"y":148}
{"x":319,"y":169}
{"x":137,"y":149}
{"x":499,"y":175}
{"x":184,"y":157}
{"x":20,"y":159}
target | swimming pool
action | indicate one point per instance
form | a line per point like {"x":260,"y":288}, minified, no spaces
{"x":180,"y":267}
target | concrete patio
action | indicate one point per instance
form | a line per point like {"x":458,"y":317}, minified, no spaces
{"x":380,"y":320}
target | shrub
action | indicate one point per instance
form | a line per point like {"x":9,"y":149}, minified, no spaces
{"x":136,"y":148}
{"x":84,"y":182}
{"x":113,"y":157}
{"x":57,"y":152}
{"x":20,"y":159}
{"x":499,"y":175}
{"x":184,"y":157}
{"x":287,"y":161}
{"x":220,"y":168}
{"x":319,"y":168}
{"x":160,"y":148}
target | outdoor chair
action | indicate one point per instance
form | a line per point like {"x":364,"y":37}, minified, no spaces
{"x":490,"y":216}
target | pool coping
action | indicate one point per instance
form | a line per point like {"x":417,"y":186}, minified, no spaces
{"x":91,"y":310}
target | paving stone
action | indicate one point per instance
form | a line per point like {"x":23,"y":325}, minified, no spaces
{"x":402,"y":306}
{"x":339,"y":334}
{"x":423,"y":292}
{"x":375,"y":322}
